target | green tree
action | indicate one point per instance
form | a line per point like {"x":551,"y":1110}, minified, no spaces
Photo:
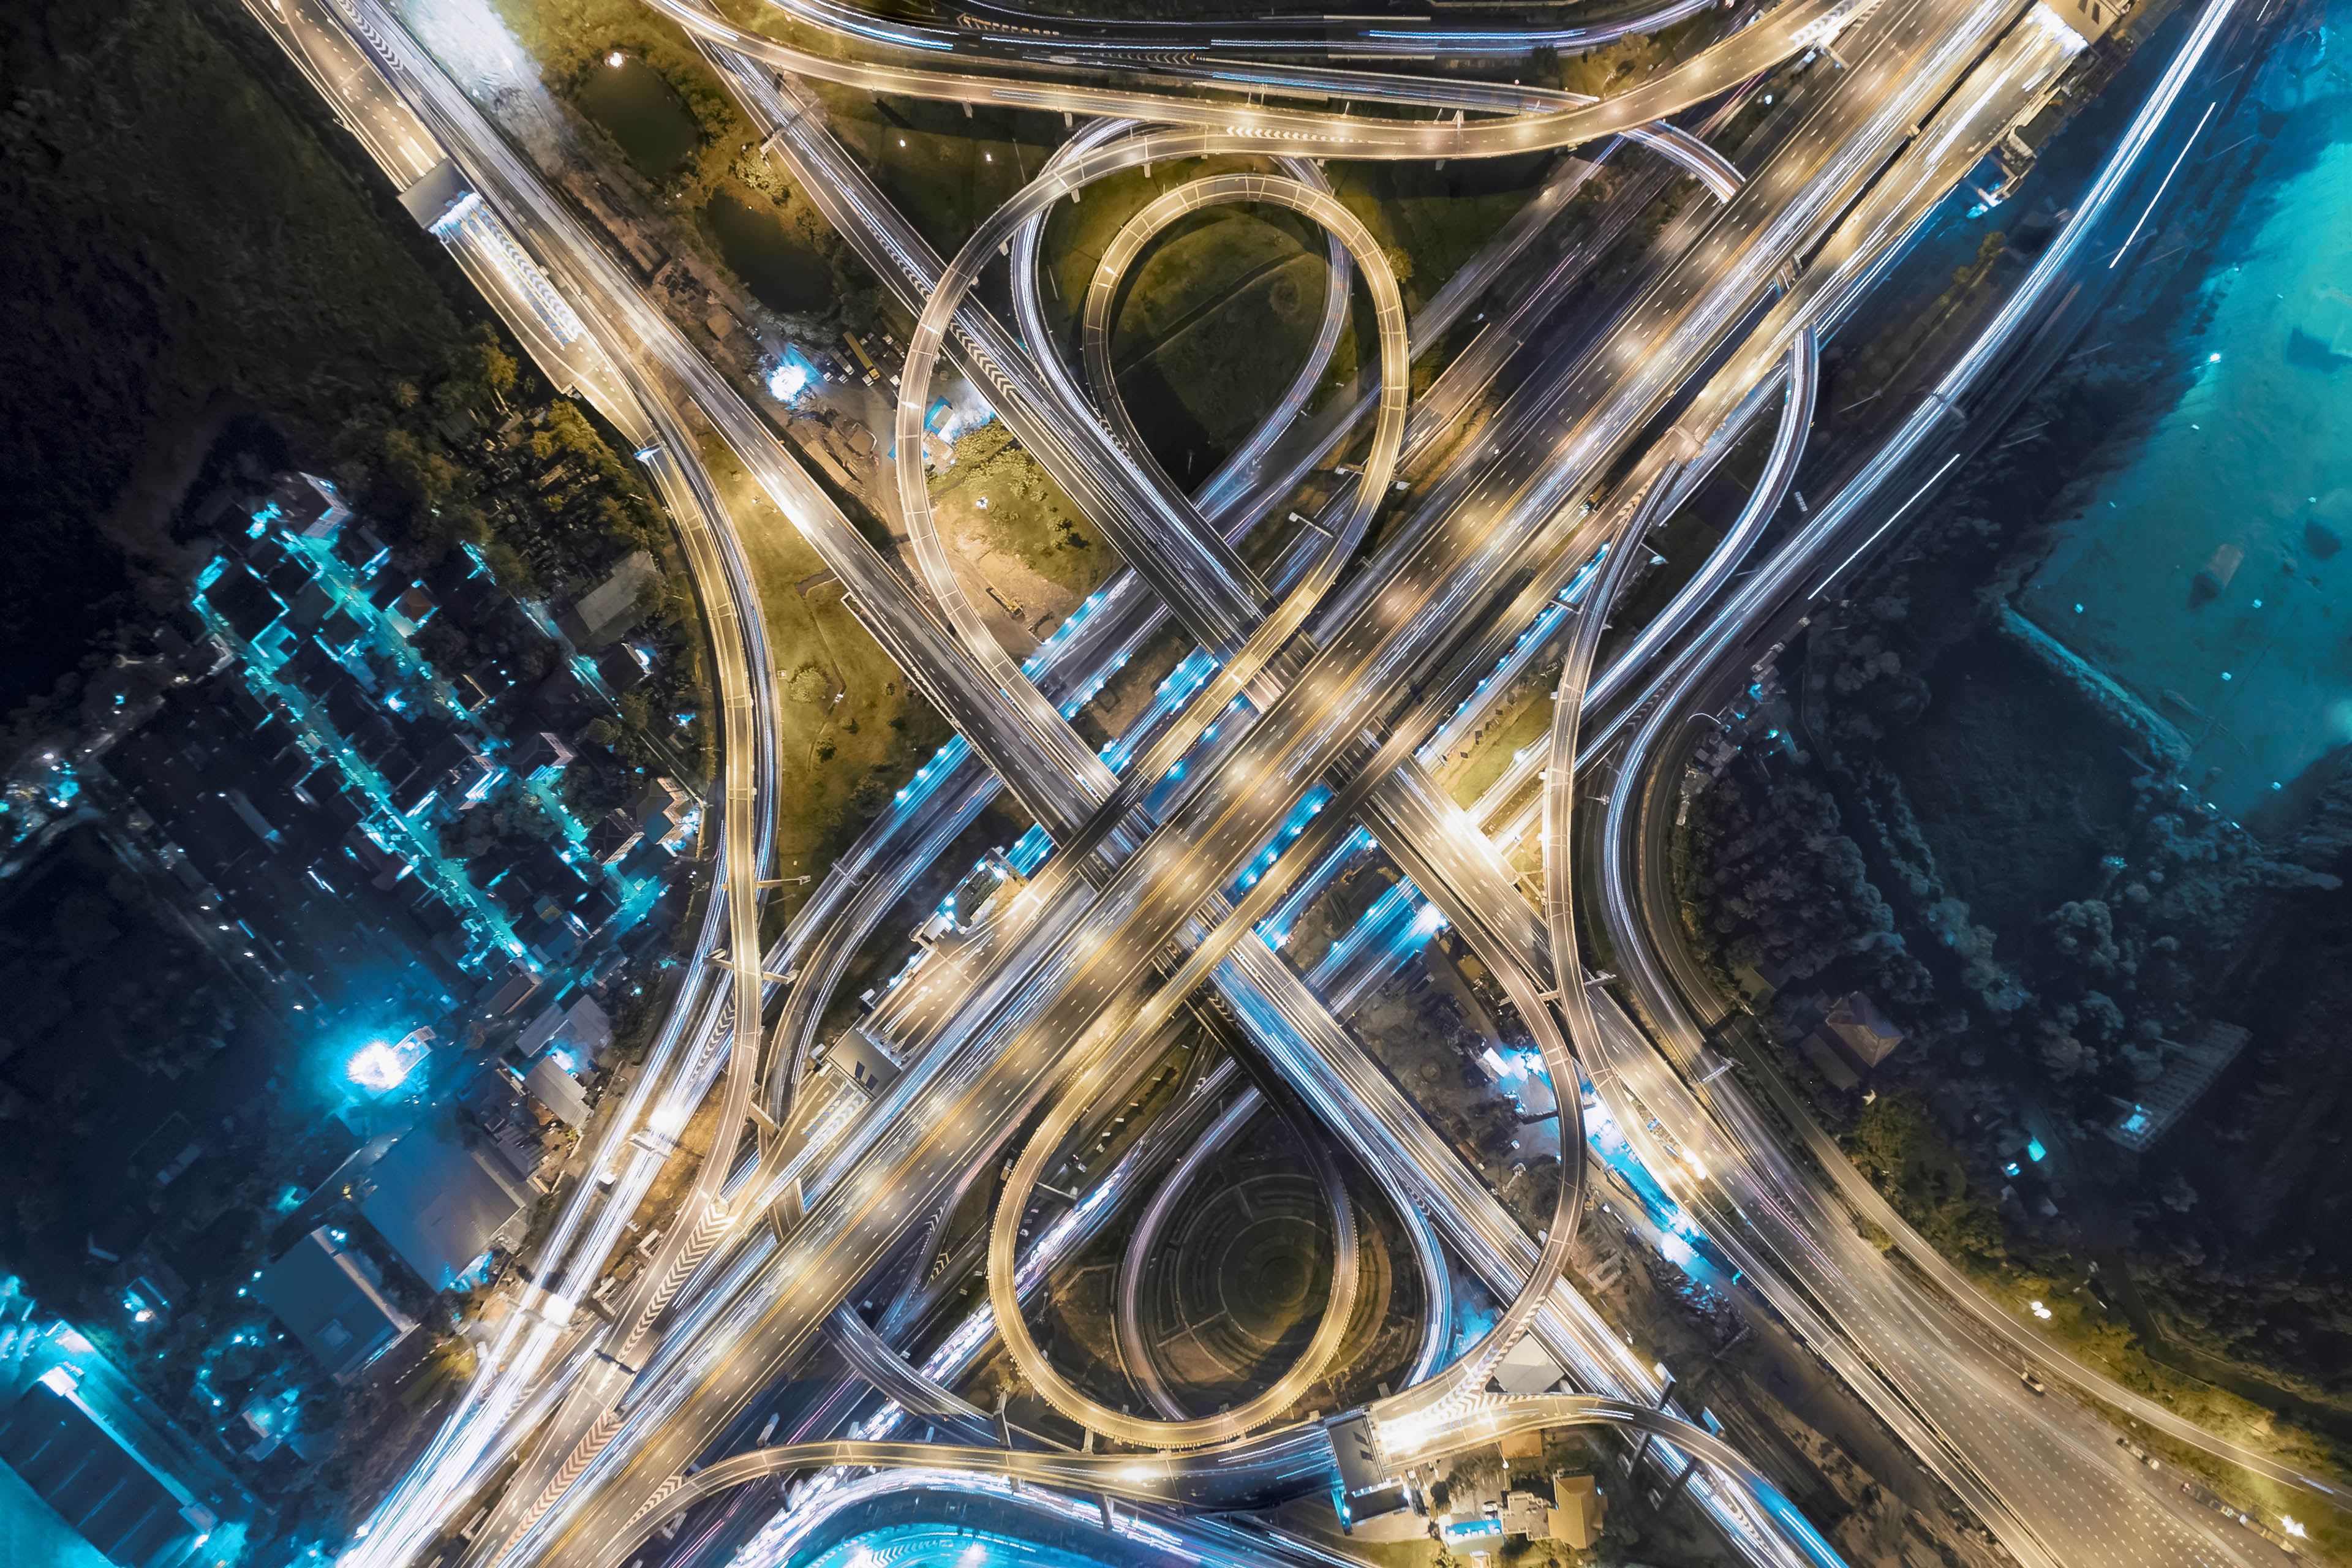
{"x":1907,"y":1155}
{"x":810,"y":684}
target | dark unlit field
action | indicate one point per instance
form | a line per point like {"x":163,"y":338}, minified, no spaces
{"x":1216,"y":322}
{"x":142,"y":322}
{"x":945,"y":172}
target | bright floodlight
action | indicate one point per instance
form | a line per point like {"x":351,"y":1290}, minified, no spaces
{"x":787,"y":381}
{"x":376,"y":1066}
{"x":379,"y":1067}
{"x":616,"y":60}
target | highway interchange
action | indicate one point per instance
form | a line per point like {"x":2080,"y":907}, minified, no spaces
{"x":1302,"y":718}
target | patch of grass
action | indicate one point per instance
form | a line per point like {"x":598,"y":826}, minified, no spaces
{"x":1899,"y":346}
{"x":1077,"y":233}
{"x":1027,"y":516}
{"x":774,"y":244}
{"x":945,"y":171}
{"x":1218,"y":317}
{"x":2080,"y":1327}
{"x":1431,"y":220}
{"x":1240,"y":354}
{"x":725,"y":200}
{"x":851,"y":732}
{"x":1521,"y":718}
{"x":1248,"y":323}
{"x":570,"y":38}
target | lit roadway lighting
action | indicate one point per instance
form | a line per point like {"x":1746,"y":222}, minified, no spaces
{"x":1087,"y":943}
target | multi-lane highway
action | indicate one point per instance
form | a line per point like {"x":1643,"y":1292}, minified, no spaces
{"x":1306,"y":710}
{"x":1980,"y":1343}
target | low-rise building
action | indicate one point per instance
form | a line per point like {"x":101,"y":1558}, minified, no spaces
{"x":623,"y":666}
{"x":441,"y":1206}
{"x":553,"y":1084}
{"x":613,"y":836}
{"x":304,"y":505}
{"x":1527,"y":1369}
{"x":358,"y":548}
{"x":464,"y":588}
{"x":85,"y":1440}
{"x":1523,"y":1447}
{"x":453,"y":774}
{"x":1363,"y":1490}
{"x":603,"y":614}
{"x":583,"y":1032}
{"x":333,"y":1301}
{"x":1853,"y":1038}
{"x":1862,"y":1031}
{"x":135,"y":1515}
{"x":541,"y":754}
{"x":436,"y":194}
{"x":503,"y":994}
{"x":1526,"y":1513}
{"x":242,"y":600}
{"x":483,"y":685}
{"x":1578,"y":1512}
{"x":667,"y":815}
